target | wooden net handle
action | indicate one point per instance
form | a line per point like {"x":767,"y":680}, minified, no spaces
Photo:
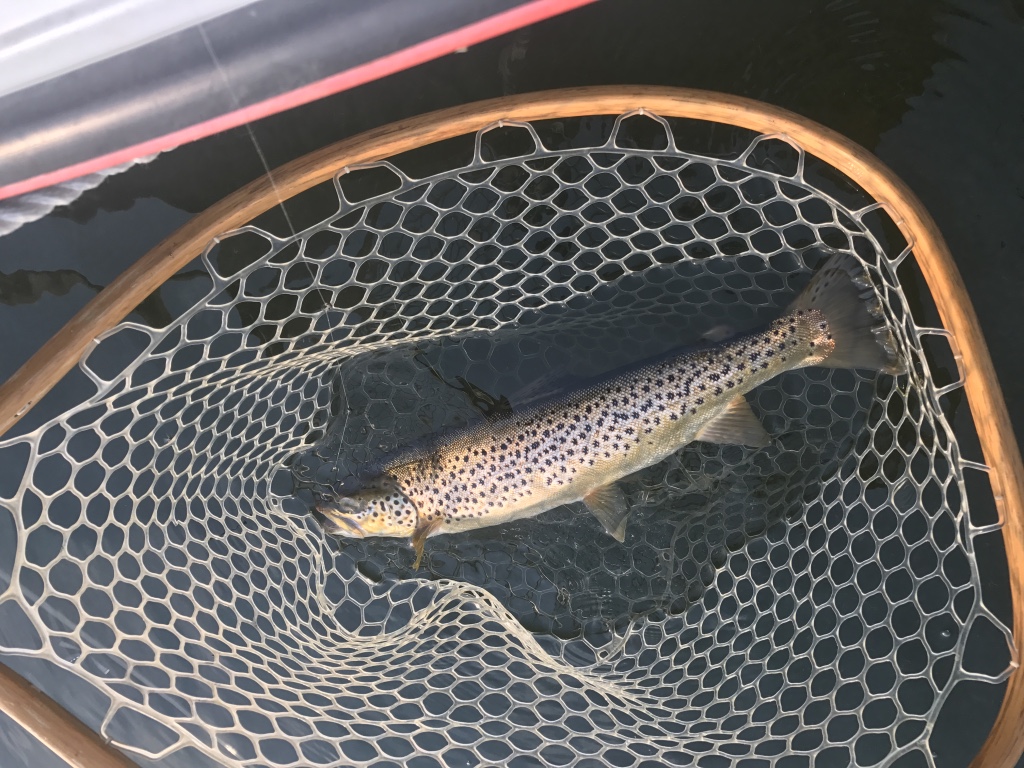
{"x":45,"y":719}
{"x":59,"y":355}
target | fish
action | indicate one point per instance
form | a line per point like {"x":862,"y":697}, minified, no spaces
{"x":578,"y":444}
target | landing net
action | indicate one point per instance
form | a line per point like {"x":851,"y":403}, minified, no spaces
{"x":805,"y":604}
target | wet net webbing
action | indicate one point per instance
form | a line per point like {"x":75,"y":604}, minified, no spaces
{"x":805,"y":604}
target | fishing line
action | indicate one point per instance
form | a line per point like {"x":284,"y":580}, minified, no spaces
{"x":248,"y":127}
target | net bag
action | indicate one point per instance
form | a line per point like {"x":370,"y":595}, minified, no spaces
{"x":811,"y":603}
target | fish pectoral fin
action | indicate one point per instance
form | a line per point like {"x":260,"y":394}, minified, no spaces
{"x":608,"y":505}
{"x":419,"y":538}
{"x":737,"y":425}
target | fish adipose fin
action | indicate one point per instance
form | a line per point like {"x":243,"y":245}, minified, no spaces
{"x":842,"y":291}
{"x":608,"y":505}
{"x":736,"y":425}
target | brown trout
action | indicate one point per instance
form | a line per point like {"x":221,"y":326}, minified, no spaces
{"x":575,"y":446}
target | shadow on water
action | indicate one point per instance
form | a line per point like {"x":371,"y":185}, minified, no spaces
{"x":25,"y":286}
{"x":559,"y":574}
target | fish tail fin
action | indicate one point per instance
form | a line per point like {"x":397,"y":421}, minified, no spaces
{"x":841,"y":290}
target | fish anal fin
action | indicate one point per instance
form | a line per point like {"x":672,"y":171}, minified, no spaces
{"x":419,"y":538}
{"x":608,"y":505}
{"x":736,"y":425}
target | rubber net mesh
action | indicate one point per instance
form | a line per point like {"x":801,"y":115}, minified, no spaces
{"x":804,"y":604}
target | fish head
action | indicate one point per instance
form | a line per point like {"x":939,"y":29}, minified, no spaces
{"x":377,"y":509}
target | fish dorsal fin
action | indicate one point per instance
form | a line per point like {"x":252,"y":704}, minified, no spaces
{"x":737,"y":425}
{"x":718,"y":334}
{"x":608,"y":505}
{"x":547,"y":385}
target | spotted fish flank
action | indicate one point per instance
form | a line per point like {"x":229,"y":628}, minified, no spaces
{"x":577,"y":445}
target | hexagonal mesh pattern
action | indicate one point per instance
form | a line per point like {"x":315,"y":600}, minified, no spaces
{"x":808,"y":603}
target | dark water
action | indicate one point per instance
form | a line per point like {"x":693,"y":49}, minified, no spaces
{"x":936,"y":89}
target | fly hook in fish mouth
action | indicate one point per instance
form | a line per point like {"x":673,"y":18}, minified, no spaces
{"x":335,"y":517}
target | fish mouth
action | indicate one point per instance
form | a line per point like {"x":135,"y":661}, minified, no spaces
{"x":335,"y":523}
